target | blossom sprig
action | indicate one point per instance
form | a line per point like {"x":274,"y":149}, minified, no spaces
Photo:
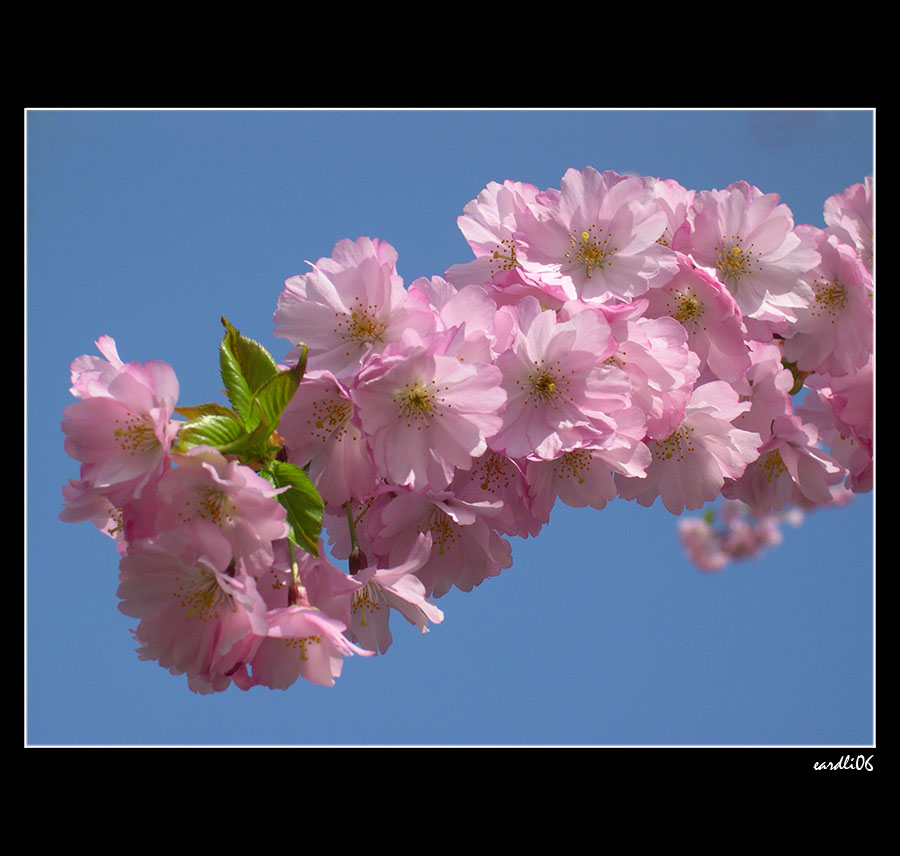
{"x":617,"y":338}
{"x":735,"y":531}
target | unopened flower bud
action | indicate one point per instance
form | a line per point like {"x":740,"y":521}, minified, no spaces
{"x":358,"y":561}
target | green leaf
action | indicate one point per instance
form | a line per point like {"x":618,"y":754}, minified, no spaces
{"x":302,"y":502}
{"x":257,"y":440}
{"x":217,"y":430}
{"x":799,"y":376}
{"x":254,"y":446}
{"x":274,"y":395}
{"x":245,"y":366}
{"x":194,"y":412}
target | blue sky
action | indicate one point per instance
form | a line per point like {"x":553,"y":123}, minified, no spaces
{"x":150,"y":225}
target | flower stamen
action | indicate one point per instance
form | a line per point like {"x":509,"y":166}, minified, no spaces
{"x":589,"y":250}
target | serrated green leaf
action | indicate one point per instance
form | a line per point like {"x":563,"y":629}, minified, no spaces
{"x":219,"y":431}
{"x":245,"y":366}
{"x":254,"y":446}
{"x":236,"y":387}
{"x":193,"y":412}
{"x":258,"y":444}
{"x":275,"y":394}
{"x":302,"y":502}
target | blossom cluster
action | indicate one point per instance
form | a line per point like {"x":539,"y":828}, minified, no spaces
{"x":618,"y":336}
{"x":735,"y":531}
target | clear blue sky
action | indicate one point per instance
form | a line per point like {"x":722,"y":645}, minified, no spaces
{"x":150,"y":225}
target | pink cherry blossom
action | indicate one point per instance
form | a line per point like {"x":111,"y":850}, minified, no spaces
{"x":743,"y":533}
{"x":195,"y":606}
{"x":690,"y":466}
{"x":306,"y":596}
{"x":842,"y":409}
{"x":561,"y":393}
{"x":495,"y":477}
{"x":301,"y":642}
{"x":597,"y":236}
{"x":465,"y":550}
{"x":675,"y":201}
{"x":748,"y":239}
{"x":489,"y":224}
{"x":91,"y":375}
{"x":850,"y":217}
{"x":427,"y":414}
{"x":747,"y":538}
{"x":297,"y":578}
{"x":766,"y":387}
{"x":349,"y":306}
{"x":578,"y":478}
{"x":834,"y":334}
{"x":321,"y":430}
{"x":791,"y":465}
{"x":380,"y":590}
{"x":207,"y":486}
{"x":366,"y":515}
{"x":122,"y":428}
{"x":654,"y":354}
{"x":709,"y":315}
{"x":466,"y":313}
{"x":702,"y":544}
{"x":84,"y":503}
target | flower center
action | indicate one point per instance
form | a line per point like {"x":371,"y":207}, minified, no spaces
{"x":116,"y":522}
{"x":543,"y":385}
{"x":504,"y":256}
{"x":301,"y":643}
{"x":687,"y":308}
{"x":546,"y":384}
{"x":772,"y":465}
{"x":573,"y":465}
{"x":137,"y":434}
{"x":330,"y":419}
{"x":365,"y":600}
{"x":590,"y":250}
{"x":831,"y":298}
{"x":215,"y":506}
{"x":494,"y":472}
{"x":201,"y":595}
{"x":733,"y":260}
{"x":364,"y":328}
{"x":677,"y":445}
{"x":360,"y":325}
{"x":211,"y":504}
{"x":442,"y":528}
{"x":416,"y":403}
